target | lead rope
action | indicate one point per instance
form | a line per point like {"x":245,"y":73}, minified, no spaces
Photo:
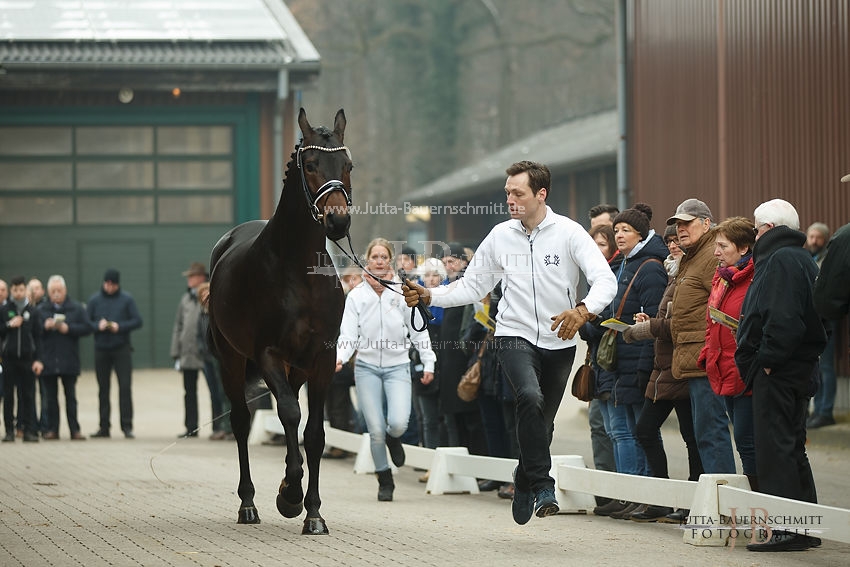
{"x":423,"y":310}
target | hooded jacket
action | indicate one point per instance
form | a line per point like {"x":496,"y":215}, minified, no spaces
{"x":539,"y":273}
{"x":644,"y":296}
{"x":779,"y":327}
{"x":378,"y":328}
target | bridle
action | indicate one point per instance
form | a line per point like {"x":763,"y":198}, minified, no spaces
{"x":327,"y":188}
{"x":335,"y":185}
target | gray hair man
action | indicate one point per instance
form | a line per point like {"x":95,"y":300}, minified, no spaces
{"x":780,"y":338}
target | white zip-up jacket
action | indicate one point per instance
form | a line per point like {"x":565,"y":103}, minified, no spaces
{"x":539,"y":273}
{"x":378,"y":328}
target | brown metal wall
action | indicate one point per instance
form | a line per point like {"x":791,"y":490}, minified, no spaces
{"x":741,"y":101}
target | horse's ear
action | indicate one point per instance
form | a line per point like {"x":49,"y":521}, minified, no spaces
{"x":306,"y":129}
{"x":339,"y":124}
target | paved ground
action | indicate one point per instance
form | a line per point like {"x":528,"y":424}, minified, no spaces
{"x":152,"y":502}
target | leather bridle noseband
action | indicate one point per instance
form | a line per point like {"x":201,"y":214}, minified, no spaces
{"x":327,"y":188}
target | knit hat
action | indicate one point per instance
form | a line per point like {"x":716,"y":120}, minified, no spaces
{"x":637,"y":217}
{"x":670,"y":231}
{"x":112,"y":275}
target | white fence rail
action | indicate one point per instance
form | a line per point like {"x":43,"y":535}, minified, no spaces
{"x":723,"y":509}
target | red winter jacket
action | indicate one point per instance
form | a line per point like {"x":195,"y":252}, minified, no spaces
{"x":718,"y":354}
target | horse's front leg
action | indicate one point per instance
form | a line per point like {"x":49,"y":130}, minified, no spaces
{"x":314,"y":445}
{"x":290,"y":498}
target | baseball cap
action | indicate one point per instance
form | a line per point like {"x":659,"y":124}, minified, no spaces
{"x":689,"y":210}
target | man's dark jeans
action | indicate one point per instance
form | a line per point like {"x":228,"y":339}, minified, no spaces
{"x":538,"y":377}
{"x":69,"y":386}
{"x":119,"y":359}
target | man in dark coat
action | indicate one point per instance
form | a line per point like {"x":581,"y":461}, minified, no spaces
{"x":114,"y":314}
{"x":780,"y":337}
{"x":19,"y":329}
{"x":65,"y":322}
{"x":832,"y":288}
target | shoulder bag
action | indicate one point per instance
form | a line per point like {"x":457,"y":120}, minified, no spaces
{"x":606,"y":354}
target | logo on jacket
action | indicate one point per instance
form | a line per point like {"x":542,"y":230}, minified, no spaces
{"x":552,"y":259}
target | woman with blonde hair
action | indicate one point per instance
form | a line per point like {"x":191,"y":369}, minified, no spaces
{"x":376,"y":325}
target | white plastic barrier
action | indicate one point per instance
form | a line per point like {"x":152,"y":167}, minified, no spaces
{"x":721,"y":506}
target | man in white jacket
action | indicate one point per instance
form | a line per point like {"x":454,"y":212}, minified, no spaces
{"x":538,"y":256}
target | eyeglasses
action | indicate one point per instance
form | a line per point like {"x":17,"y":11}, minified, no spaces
{"x":756,"y":229}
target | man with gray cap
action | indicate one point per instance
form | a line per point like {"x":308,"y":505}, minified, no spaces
{"x":694,"y":221}
{"x":113,"y":315}
{"x":780,"y":337}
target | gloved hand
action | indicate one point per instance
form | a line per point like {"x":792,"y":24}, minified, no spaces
{"x":637,"y":332}
{"x":414,"y":293}
{"x":570,"y":321}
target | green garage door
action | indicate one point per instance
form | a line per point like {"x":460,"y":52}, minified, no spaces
{"x":146,"y":191}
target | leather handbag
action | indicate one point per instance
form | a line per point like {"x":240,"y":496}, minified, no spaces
{"x":606,"y":354}
{"x":467,"y":388}
{"x":584,"y":381}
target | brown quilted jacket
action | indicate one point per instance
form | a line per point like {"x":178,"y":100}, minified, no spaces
{"x":690,"y":301}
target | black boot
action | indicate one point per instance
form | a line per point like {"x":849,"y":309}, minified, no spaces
{"x":385,"y":486}
{"x":396,"y":450}
{"x":754,"y":482}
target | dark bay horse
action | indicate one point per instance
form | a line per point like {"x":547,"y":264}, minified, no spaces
{"x":271,"y":316}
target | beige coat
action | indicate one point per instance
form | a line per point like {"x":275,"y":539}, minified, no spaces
{"x":690,"y":301}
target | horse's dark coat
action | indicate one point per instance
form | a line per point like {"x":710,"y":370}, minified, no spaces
{"x":271,"y":316}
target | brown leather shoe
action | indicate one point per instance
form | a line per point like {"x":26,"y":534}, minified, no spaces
{"x":51,"y":435}
{"x":77,"y":436}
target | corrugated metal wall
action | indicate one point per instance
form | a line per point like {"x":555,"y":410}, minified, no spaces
{"x":741,"y":101}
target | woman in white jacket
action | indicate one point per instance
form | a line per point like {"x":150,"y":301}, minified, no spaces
{"x":376,"y":325}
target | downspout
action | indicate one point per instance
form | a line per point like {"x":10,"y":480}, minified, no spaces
{"x":282,"y":94}
{"x":623,"y":196}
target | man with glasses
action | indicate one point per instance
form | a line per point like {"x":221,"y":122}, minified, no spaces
{"x":780,"y":338}
{"x":694,"y":223}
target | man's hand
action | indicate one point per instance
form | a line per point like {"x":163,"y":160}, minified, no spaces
{"x":414,"y":293}
{"x":570,"y":321}
{"x":427,"y":378}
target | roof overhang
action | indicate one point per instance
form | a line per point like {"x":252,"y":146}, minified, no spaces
{"x":575,"y":144}
{"x":153,"y":36}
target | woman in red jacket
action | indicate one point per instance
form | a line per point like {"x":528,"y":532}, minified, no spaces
{"x":733,"y":247}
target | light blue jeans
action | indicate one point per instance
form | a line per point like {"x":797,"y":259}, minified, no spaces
{"x":372,"y":384}
{"x":620,"y":421}
{"x":711,"y":428}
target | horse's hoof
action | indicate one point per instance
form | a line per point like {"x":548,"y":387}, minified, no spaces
{"x":287,"y":509}
{"x":315,"y":526}
{"x":248,"y":515}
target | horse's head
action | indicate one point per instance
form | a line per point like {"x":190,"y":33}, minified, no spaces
{"x":326,"y":174}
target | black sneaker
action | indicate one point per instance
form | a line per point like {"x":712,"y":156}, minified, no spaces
{"x":650,"y":514}
{"x":785,"y":541}
{"x":128,"y":434}
{"x":30,"y":437}
{"x":396,"y":450}
{"x":522,"y":505}
{"x":545,"y":503}
{"x":9,"y":438}
{"x":679,"y":516}
{"x":611,"y":507}
{"x":100,"y":434}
